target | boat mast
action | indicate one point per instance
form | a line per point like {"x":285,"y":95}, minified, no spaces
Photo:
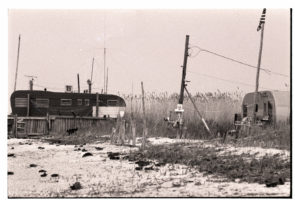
{"x":15,"y":79}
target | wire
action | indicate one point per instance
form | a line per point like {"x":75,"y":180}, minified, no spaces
{"x":237,"y":61}
{"x":214,"y":77}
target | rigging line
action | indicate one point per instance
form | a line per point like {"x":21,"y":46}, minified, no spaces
{"x":237,"y":61}
{"x":214,"y":77}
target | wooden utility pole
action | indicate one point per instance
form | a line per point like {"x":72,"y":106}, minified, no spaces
{"x":18,"y":49}
{"x":184,"y":70}
{"x":78,"y":83}
{"x":260,"y":27}
{"x":144,"y":134}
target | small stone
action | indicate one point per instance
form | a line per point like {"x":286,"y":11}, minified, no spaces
{"x":138,"y":168}
{"x":10,"y":173}
{"x":33,"y":165}
{"x":98,"y":148}
{"x":76,"y":186}
{"x":54,"y":175}
{"x":87,"y":154}
{"x":43,"y":175}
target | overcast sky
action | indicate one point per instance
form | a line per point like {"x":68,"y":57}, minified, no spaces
{"x":148,"y":46}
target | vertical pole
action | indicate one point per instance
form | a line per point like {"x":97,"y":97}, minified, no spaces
{"x":180,"y":102}
{"x":132,"y":124}
{"x":92,"y":70}
{"x":107,"y":79}
{"x":144,"y":134}
{"x":14,"y":125}
{"x":28,"y":105}
{"x":78,"y":83}
{"x":47,"y":124}
{"x":104,"y":69}
{"x":97,"y":104}
{"x":257,"y":74}
{"x":184,"y":70}
{"x":31,"y":84}
{"x":15,"y":79}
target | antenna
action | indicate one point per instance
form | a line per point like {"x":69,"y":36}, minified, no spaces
{"x":31,"y":82}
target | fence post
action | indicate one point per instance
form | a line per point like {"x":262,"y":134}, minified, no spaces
{"x":15,"y":125}
{"x":97,"y":104}
{"x":47,"y":124}
{"x":145,"y":131}
{"x":133,"y":130}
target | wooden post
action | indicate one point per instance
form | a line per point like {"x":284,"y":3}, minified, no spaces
{"x":47,"y":124}
{"x":28,"y":105}
{"x":97,"y":105}
{"x":144,"y":134}
{"x":122,"y":132}
{"x":15,"y":126}
{"x":132,"y":122}
{"x":133,"y":130}
{"x":78,"y":83}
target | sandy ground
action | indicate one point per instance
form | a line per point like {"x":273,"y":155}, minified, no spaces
{"x":102,"y":177}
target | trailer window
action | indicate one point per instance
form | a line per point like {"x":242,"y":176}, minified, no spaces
{"x":42,"y":103}
{"x":86,"y":102}
{"x":21,"y":102}
{"x":66,"y":102}
{"x":112,"y":102}
{"x":79,"y":102}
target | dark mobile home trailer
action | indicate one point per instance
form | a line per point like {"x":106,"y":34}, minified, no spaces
{"x":40,"y":103}
{"x":272,"y":106}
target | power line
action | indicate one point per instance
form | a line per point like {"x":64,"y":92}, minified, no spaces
{"x":231,"y":81}
{"x":237,"y":61}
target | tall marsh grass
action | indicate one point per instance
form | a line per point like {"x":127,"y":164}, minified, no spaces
{"x":217,"y":108}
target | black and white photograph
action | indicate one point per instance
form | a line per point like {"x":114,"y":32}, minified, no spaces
{"x":110,"y":103}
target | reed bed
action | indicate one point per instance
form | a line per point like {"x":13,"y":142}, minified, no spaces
{"x":217,"y":108}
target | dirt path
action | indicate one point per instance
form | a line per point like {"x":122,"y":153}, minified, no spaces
{"x":102,"y":177}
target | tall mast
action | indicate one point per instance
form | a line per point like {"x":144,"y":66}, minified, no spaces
{"x":15,"y":79}
{"x":92,"y":69}
{"x":104,"y":69}
{"x":107,"y":79}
